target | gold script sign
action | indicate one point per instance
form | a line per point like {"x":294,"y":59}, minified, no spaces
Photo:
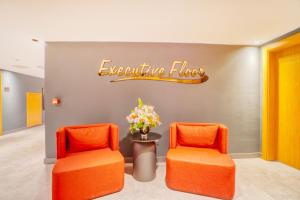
{"x":178,"y":73}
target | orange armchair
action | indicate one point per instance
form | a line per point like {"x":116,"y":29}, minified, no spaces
{"x":197,"y":161}
{"x":88,"y":164}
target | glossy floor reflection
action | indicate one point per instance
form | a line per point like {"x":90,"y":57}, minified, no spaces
{"x":24,"y":176}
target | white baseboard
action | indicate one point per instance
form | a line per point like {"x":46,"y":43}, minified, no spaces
{"x":49,"y":160}
{"x":18,"y":129}
{"x":245,"y":155}
{"x":14,"y":130}
{"x":163,"y":158}
{"x":159,"y":159}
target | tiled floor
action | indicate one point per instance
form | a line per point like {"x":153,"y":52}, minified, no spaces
{"x":23,"y":176}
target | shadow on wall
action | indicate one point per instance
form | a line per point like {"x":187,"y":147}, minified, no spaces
{"x":126,"y":146}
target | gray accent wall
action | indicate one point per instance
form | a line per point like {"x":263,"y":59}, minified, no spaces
{"x":230,"y":96}
{"x":14,"y":99}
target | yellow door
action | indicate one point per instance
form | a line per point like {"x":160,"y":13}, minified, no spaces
{"x":34,"y":109}
{"x":289,"y":106}
{"x":281,"y":101}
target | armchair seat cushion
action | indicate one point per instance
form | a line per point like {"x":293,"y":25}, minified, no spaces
{"x":201,"y":171}
{"x":88,"y":174}
{"x":203,"y":156}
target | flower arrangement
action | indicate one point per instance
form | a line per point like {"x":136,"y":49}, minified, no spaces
{"x":142,"y":118}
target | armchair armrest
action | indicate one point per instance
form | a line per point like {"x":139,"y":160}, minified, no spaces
{"x":61,"y":148}
{"x":223,"y":139}
{"x":114,"y":137}
{"x":173,"y":136}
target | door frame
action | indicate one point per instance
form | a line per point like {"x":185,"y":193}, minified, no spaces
{"x":269,"y":96}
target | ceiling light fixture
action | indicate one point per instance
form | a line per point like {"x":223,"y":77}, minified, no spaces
{"x":34,"y":40}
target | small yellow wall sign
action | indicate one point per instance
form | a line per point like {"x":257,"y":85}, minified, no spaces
{"x":179,"y":72}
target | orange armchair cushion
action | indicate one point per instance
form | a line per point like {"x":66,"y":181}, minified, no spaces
{"x":89,"y":138}
{"x":200,"y":165}
{"x":197,"y":136}
{"x":201,"y":171}
{"x":88,"y":175}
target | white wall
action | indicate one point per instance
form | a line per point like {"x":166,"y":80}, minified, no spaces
{"x":14,"y":100}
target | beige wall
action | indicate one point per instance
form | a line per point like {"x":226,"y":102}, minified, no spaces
{"x":230,"y":96}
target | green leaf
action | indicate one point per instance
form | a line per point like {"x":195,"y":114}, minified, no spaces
{"x":140,"y":102}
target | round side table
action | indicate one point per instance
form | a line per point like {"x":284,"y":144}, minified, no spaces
{"x":144,"y":156}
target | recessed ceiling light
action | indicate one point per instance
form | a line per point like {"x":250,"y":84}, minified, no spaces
{"x":34,"y":40}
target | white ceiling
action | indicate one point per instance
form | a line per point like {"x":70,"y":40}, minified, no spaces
{"x":185,"y":21}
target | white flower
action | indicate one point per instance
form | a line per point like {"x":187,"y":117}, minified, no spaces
{"x":143,"y":116}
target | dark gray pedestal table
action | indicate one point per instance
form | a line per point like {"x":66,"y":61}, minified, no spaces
{"x":144,"y":156}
